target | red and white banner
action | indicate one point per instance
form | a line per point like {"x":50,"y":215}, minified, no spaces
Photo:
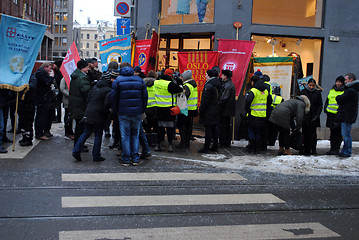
{"x":198,"y":62}
{"x":234,"y":55}
{"x":69,"y":64}
{"x":145,"y":53}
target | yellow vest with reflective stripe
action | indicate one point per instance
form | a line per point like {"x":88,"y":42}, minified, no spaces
{"x":151,"y":97}
{"x":162,"y":96}
{"x":332,"y":102}
{"x":276,"y":100}
{"x":192,"y":101}
{"x":270,"y":88}
{"x":259,"y":103}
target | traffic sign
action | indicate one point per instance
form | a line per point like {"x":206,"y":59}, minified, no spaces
{"x":123,"y":26}
{"x":123,"y":8}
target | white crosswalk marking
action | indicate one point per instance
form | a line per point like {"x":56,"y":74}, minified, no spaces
{"x":168,"y":200}
{"x":251,"y":232}
{"x":155,"y":176}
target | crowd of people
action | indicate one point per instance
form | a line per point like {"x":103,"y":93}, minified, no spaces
{"x":142,"y":110}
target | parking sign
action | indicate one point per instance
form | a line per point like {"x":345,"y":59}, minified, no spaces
{"x":123,"y":8}
{"x":123,"y":26}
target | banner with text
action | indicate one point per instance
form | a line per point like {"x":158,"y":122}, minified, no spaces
{"x":69,"y":64}
{"x":198,"y":63}
{"x":20,"y":41}
{"x":115,"y":49}
{"x":234,"y":55}
{"x":145,"y":53}
{"x":279,"y":69}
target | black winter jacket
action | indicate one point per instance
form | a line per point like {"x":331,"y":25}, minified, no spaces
{"x":316,"y":105}
{"x":208,"y":110}
{"x":348,"y":103}
{"x":227,"y":100}
{"x":99,"y":103}
{"x":43,"y":89}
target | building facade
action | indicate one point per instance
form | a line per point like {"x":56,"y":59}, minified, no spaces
{"x":63,"y":25}
{"x":90,"y":37}
{"x":40,"y":11}
{"x":323,"y":32}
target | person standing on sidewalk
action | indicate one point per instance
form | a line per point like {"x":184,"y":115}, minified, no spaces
{"x":129,"y":100}
{"x":331,"y":109}
{"x":348,"y":112}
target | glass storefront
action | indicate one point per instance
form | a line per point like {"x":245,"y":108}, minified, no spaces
{"x":187,"y":11}
{"x":303,"y":13}
{"x":309,"y":51}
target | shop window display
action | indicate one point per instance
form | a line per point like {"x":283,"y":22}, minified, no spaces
{"x":187,"y":11}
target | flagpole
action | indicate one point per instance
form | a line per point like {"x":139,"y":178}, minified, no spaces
{"x":17,"y":103}
{"x":158,"y":40}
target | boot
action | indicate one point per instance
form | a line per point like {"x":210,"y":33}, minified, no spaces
{"x":158,"y":147}
{"x":281,"y":151}
{"x":287,"y":152}
{"x":26,"y":140}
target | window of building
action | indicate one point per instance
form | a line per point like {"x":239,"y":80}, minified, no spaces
{"x":65,"y":3}
{"x":95,"y":45}
{"x":57,"y":29}
{"x":95,"y":36}
{"x":64,"y":41}
{"x":95,"y":54}
{"x":64,"y":54}
{"x":87,"y":45}
{"x":111,"y":36}
{"x":64,"y":29}
{"x":82,"y":36}
{"x":15,"y":1}
{"x":57,"y":16}
{"x":82,"y":45}
{"x":186,"y":12}
{"x":25,"y":7}
{"x":65,"y":16}
{"x":87,"y":36}
{"x":87,"y":54}
{"x":30,"y":10}
{"x":309,"y":51}
{"x":304,"y":13}
{"x":57,"y":3}
{"x":57,"y":41}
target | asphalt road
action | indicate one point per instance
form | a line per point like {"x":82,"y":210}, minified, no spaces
{"x":46,"y":195}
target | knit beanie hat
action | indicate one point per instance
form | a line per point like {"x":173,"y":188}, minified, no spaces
{"x":341,"y":79}
{"x":211,"y":73}
{"x":217,"y":69}
{"x":137,"y":69}
{"x":227,"y":73}
{"x":169,"y":72}
{"x":259,"y":73}
{"x":58,"y":63}
{"x":266,"y":78}
{"x":187,"y":75}
{"x":82,"y":64}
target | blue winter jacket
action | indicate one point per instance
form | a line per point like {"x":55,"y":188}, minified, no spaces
{"x":129,"y":93}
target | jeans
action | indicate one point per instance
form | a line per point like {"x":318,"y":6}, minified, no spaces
{"x":201,"y":10}
{"x":347,"y":147}
{"x":1,"y":125}
{"x":130,"y":128}
{"x":143,"y":141}
{"x":89,"y":128}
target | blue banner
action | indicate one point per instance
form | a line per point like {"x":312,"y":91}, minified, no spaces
{"x":20,"y":41}
{"x":115,"y":49}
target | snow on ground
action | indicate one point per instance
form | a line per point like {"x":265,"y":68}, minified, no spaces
{"x":294,"y":164}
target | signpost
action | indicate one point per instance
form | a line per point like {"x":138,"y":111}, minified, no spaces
{"x":237,"y":25}
{"x":123,"y":8}
{"x":123,"y":26}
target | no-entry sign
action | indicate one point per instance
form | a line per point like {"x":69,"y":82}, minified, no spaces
{"x":123,"y":8}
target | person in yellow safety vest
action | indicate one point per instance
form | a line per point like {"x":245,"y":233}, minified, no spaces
{"x":185,"y":123}
{"x":272,"y":128}
{"x":150,"y":124}
{"x":266,"y":80}
{"x":331,"y":109}
{"x":165,"y":90}
{"x":258,"y":103}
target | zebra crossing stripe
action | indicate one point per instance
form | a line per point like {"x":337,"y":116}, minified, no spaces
{"x":168,"y":200}
{"x":154,"y":176}
{"x":309,"y":230}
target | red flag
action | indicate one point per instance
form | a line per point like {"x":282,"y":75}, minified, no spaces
{"x":68,"y":66}
{"x":145,"y":54}
{"x":234,"y":55}
{"x":198,"y":62}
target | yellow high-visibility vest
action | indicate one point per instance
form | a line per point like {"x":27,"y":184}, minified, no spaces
{"x":259,"y":103}
{"x":192,"y":101}
{"x":276,"y":100}
{"x":162,"y":96}
{"x":151,"y":97}
{"x":332,"y":102}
